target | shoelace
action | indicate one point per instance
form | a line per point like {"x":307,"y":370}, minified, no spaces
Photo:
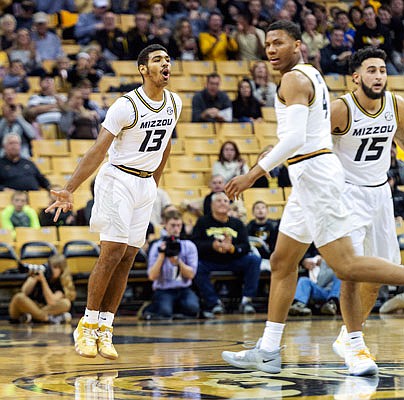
{"x":89,"y":336}
{"x":105,"y":337}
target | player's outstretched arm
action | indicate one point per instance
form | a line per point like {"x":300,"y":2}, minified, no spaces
{"x":86,"y":167}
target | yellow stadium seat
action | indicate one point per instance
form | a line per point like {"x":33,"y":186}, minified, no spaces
{"x":195,"y":163}
{"x":125,"y":68}
{"x":271,"y":196}
{"x":6,"y":236}
{"x":78,"y":147}
{"x":126,"y":22}
{"x":185,"y":83}
{"x":178,"y":196}
{"x":229,"y":84}
{"x":238,"y":68}
{"x":177,"y":146}
{"x":226,"y":130}
{"x":195,"y":130}
{"x":268,"y":113}
{"x":186,"y":98}
{"x":64,"y":165}
{"x":335,"y":82}
{"x":249,"y":145}
{"x":50,"y":148}
{"x":202,"y":146}
{"x":184,"y":179}
{"x":38,"y":199}
{"x":186,"y":114}
{"x":43,"y":163}
{"x":50,"y":131}
{"x":58,"y":179}
{"x":71,"y":49}
{"x":198,"y":67}
{"x":395,"y":82}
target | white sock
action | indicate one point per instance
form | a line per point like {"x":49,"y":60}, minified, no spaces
{"x":106,"y":318}
{"x":355,"y":339}
{"x":271,"y":339}
{"x":246,"y":299}
{"x":91,"y":317}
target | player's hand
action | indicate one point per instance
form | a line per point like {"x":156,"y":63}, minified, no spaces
{"x":64,"y":202}
{"x":236,"y":186}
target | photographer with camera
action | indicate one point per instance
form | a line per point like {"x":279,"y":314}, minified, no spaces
{"x":46,"y":295}
{"x":172,"y":265}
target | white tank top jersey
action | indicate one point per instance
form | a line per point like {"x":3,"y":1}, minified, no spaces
{"x":364,"y":146}
{"x":142,"y":128}
{"x":318,"y":125}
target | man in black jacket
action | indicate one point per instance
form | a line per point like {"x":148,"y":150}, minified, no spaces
{"x":335,"y":56}
{"x":223,"y":245}
{"x":16,"y":172}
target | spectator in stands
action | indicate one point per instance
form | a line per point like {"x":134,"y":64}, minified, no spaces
{"x":222,"y":243}
{"x":24,"y":49}
{"x":321,"y":287}
{"x":211,"y":104}
{"x":124,"y":6}
{"x":9,"y":96}
{"x":84,"y":214}
{"x":24,"y":17}
{"x":19,"y":213}
{"x":313,"y":39}
{"x":396,"y":166}
{"x":250,"y":39}
{"x":16,"y":172}
{"x":86,"y":89}
{"x":355,"y":16}
{"x":55,"y":6}
{"x":324,"y":24}
{"x":98,"y":62}
{"x":342,"y":20}
{"x":216,"y":185}
{"x":264,"y":228}
{"x":375,"y":4}
{"x":112,"y":40}
{"x":46,"y":106}
{"x":229,"y":163}
{"x":397,"y":9}
{"x":263,"y":88}
{"x":48,"y":45}
{"x":13,"y":121}
{"x":160,"y":27}
{"x":373,"y":33}
{"x":260,"y":18}
{"x":183,"y":44}
{"x":246,"y":108}
{"x":45,"y":296}
{"x":16,"y":77}
{"x":60,"y":71}
{"x":77,"y":122}
{"x":197,"y":15}
{"x":291,"y":8}
{"x":334,"y":58}
{"x":216,"y":44}
{"x":89,"y":24}
{"x":82,"y":69}
{"x":172,"y":266}
{"x":396,"y":28}
{"x":65,"y":218}
{"x":140,"y":36}
{"x":162,"y":200}
{"x":8,"y":25}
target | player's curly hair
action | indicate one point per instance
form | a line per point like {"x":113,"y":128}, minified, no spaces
{"x":363,"y":54}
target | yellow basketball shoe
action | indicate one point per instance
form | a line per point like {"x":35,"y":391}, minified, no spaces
{"x":105,"y":346}
{"x":85,"y":339}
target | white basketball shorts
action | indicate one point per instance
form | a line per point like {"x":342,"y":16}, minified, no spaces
{"x":315,"y":210}
{"x":122,"y":206}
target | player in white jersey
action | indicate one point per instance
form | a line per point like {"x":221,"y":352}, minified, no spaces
{"x":315,"y":210}
{"x":364,"y":124}
{"x":136,"y":133}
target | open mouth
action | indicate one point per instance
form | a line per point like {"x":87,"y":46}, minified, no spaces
{"x":166,"y":74}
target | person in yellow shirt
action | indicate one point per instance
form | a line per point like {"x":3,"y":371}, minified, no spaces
{"x":216,"y":44}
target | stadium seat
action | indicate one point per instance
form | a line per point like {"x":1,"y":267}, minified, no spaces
{"x":335,"y":82}
{"x":8,"y":257}
{"x":239,"y":68}
{"x":202,"y":146}
{"x":195,"y":130}
{"x":201,"y":68}
{"x":227,"y":130}
{"x":184,"y":179}
{"x":185,"y":83}
{"x":195,"y":163}
{"x":78,"y":147}
{"x":37,"y":251}
{"x":38,"y":199}
{"x":50,"y":148}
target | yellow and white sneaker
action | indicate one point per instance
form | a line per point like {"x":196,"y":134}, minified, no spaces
{"x":361,"y":362}
{"x":105,"y":346}
{"x":341,"y":342}
{"x":85,"y":339}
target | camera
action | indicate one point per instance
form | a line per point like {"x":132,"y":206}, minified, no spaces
{"x":173,"y":246}
{"x":31,"y":269}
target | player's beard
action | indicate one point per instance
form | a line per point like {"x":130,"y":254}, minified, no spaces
{"x":372,"y":94}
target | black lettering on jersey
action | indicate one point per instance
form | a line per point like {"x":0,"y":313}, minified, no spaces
{"x":373,"y":130}
{"x":156,"y":123}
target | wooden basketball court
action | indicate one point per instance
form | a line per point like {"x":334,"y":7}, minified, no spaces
{"x":182,"y":360}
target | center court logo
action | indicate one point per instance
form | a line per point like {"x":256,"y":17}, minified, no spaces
{"x":218,"y":382}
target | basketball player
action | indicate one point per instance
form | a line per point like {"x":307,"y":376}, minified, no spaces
{"x":364,"y":124}
{"x":315,"y":210}
{"x":136,"y":133}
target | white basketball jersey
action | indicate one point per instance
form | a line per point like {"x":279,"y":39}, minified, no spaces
{"x":318,"y":124}
{"x":364,"y":146}
{"x":142,"y":128}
